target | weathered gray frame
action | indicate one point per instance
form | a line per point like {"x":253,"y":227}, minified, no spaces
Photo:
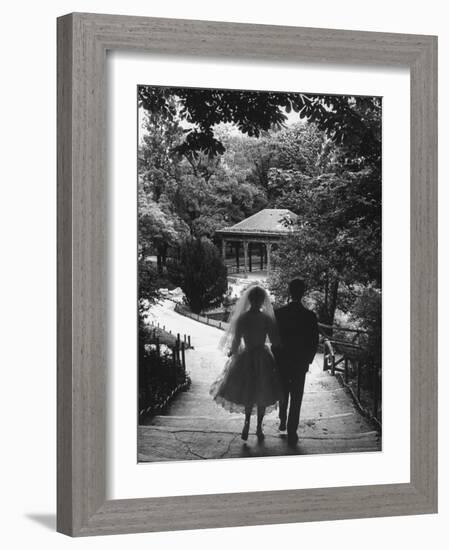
{"x":83,"y":40}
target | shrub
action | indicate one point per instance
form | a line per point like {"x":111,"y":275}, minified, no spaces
{"x":367,"y":311}
{"x":201,"y":274}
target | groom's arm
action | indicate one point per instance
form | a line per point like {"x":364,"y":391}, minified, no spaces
{"x":276,"y":344}
{"x":314,"y":336}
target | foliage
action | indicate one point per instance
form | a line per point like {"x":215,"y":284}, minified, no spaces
{"x":148,"y":282}
{"x":182,"y":196}
{"x":157,"y":225}
{"x":201,"y":274}
{"x":159,"y":380}
{"x":367,"y":312}
{"x":338,"y":240}
{"x":351,"y":122}
{"x":210,"y":158}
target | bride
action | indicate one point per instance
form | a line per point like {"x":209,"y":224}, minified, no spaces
{"x":249,"y":380}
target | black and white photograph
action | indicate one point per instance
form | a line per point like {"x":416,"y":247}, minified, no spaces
{"x":259,"y":273}
{"x":221,"y":253}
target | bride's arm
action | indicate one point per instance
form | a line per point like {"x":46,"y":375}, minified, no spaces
{"x":236,"y":339}
{"x":273,"y":332}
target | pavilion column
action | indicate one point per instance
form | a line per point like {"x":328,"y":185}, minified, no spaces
{"x":268,"y":257}
{"x":250,"y":249}
{"x":223,"y":249}
{"x":245,"y":254}
{"x":261,"y":256}
{"x":237,"y":256}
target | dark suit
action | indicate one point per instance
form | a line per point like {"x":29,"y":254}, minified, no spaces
{"x":298,"y":331}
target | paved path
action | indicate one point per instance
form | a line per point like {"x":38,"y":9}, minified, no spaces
{"x":196,"y":428}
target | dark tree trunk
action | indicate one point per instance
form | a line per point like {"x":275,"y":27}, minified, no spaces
{"x":161,"y":258}
{"x":159,"y":263}
{"x":164,"y":255}
{"x":333,"y":300}
{"x":327,"y":313}
{"x":326,"y":296}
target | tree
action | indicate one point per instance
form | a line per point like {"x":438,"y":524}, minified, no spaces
{"x":336,"y":246}
{"x":158,"y":227}
{"x":367,"y":311}
{"x":337,"y":242}
{"x":226,"y":155}
{"x":201,"y":274}
{"x":351,"y":122}
{"x":196,"y":195}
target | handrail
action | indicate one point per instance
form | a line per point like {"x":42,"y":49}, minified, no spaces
{"x":335,"y":328}
{"x":343,"y":343}
{"x":330,"y":360}
{"x":341,"y":366}
{"x":182,"y":310}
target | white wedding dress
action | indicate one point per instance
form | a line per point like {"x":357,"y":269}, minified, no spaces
{"x":249,"y":378}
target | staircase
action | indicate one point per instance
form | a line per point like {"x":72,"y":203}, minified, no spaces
{"x":196,"y":428}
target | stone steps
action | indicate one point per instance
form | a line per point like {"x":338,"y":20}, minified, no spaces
{"x":195,"y":427}
{"x":195,"y":437}
{"x":182,"y":442}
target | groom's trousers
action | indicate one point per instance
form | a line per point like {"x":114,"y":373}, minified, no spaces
{"x":293,"y":377}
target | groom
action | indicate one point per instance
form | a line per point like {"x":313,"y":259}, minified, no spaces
{"x":298,"y":330}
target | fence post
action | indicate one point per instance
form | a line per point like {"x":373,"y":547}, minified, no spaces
{"x":375,"y":391}
{"x":183,"y":356}
{"x":190,"y":345}
{"x":359,"y":379}
{"x":346,"y":370}
{"x":175,"y":365}
{"x":178,"y":340}
{"x":333,"y":365}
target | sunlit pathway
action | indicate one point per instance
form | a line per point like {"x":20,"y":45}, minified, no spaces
{"x":195,"y":427}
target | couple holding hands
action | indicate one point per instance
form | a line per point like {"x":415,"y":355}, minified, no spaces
{"x":256,"y":378}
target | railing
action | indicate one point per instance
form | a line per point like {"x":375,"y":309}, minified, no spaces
{"x":162,"y":374}
{"x":233,"y":269}
{"x":178,"y":346}
{"x":182,"y":310}
{"x":345,"y":358}
{"x":165,"y":336}
{"x":357,"y":370}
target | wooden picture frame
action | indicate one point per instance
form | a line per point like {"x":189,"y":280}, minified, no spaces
{"x":83,"y":40}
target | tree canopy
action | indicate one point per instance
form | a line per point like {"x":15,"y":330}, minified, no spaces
{"x":350,"y":121}
{"x":210,"y":158}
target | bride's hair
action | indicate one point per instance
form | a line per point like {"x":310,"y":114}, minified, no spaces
{"x":255,"y":296}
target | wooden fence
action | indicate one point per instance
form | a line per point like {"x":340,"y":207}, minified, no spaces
{"x":165,"y":336}
{"x":357,"y":370}
{"x":162,"y":372}
{"x":182,"y":310}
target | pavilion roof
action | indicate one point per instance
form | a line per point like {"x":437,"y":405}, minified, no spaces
{"x":269,"y":220}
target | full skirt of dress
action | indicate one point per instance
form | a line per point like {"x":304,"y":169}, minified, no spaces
{"x":249,"y":380}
